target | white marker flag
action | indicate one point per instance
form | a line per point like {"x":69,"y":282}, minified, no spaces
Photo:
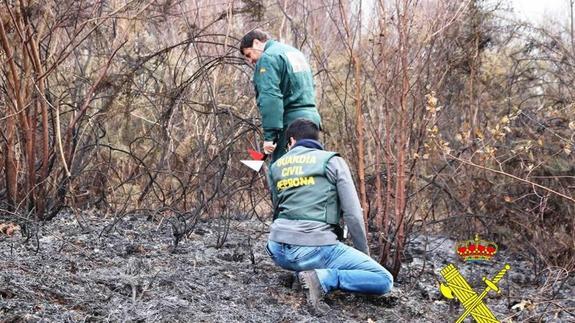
{"x":253,"y":164}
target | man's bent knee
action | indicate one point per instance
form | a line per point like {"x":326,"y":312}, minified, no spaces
{"x":387,"y":282}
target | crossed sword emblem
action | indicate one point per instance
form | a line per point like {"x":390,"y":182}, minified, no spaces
{"x":457,"y":286}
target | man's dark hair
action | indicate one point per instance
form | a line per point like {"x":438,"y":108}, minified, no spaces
{"x":248,"y":40}
{"x":302,"y":129}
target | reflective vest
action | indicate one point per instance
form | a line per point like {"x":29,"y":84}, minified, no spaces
{"x":302,"y":188}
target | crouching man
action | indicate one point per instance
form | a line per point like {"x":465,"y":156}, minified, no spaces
{"x":311,"y":188}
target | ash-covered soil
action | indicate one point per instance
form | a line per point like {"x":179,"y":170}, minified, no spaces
{"x":90,"y":269}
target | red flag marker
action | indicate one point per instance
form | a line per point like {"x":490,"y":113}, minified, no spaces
{"x":257,"y":160}
{"x":256,"y":155}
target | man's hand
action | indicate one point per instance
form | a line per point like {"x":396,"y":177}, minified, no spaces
{"x":269,"y":147}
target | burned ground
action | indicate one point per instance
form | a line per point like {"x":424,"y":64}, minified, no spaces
{"x":91,"y":268}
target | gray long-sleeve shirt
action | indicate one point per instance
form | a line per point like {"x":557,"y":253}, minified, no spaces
{"x":313,"y":233}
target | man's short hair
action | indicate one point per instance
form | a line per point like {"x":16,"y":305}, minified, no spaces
{"x":248,"y":40}
{"x":302,"y":129}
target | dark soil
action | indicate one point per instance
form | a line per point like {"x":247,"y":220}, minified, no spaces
{"x":89,"y":268}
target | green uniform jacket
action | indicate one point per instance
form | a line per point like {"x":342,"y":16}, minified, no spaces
{"x":284,"y":91}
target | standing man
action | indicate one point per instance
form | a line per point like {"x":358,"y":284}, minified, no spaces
{"x":311,"y":188}
{"x":284,"y":87}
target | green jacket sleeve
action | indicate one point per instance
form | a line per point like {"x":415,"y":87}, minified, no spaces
{"x":267,"y":78}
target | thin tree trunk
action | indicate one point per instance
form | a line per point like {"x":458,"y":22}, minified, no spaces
{"x":378,"y":185}
{"x":385,"y":122}
{"x":385,"y":253}
{"x":26,"y":125}
{"x":11,"y":160}
{"x":359,"y":123}
{"x":402,"y":146}
{"x":43,"y":108}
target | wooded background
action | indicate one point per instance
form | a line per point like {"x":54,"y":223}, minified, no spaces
{"x":453,"y":116}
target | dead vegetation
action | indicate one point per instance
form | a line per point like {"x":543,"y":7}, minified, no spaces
{"x":454,"y":118}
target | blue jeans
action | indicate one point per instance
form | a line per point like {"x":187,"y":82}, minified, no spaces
{"x":337,"y":266}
